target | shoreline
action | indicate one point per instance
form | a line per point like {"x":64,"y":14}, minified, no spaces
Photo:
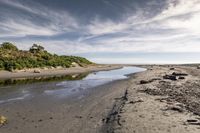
{"x":67,"y":115}
{"x":157,"y":105}
{"x":5,"y":75}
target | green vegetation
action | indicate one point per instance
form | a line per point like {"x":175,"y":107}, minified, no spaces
{"x":37,"y":57}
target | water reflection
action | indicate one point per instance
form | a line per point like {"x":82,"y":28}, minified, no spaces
{"x":19,"y":81}
{"x":59,"y":86}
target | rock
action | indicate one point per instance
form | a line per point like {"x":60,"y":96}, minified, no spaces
{"x":179,"y":74}
{"x":198,"y":67}
{"x":3,"y":120}
{"x":175,"y":108}
{"x":144,"y":82}
{"x":193,"y":122}
{"x":74,"y":76}
{"x":37,"y":71}
{"x":172,"y":68}
{"x":171,"y":77}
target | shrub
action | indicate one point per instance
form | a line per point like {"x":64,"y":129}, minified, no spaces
{"x":11,"y":58}
{"x":9,"y":46}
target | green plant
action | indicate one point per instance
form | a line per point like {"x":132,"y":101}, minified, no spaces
{"x":9,"y":46}
{"x":11,"y":58}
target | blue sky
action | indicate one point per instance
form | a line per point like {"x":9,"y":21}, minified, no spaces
{"x":106,"y":31}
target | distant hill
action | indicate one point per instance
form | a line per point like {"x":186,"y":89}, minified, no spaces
{"x":11,"y":58}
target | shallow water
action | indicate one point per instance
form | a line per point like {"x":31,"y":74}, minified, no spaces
{"x":60,"y":87}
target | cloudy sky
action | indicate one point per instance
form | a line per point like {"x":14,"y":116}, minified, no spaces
{"x":106,"y":31}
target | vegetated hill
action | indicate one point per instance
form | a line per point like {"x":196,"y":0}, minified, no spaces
{"x":11,"y":58}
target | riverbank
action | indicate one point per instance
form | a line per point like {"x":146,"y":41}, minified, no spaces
{"x":31,"y":73}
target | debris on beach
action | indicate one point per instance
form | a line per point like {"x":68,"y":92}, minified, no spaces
{"x":3,"y":120}
{"x":171,"y":77}
{"x":144,"y":82}
{"x":193,"y":122}
{"x":179,"y":74}
{"x":174,"y":76}
{"x":175,"y":108}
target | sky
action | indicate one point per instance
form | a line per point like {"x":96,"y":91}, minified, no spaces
{"x":106,"y":31}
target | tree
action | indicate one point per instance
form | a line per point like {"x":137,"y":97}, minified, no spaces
{"x":36,"y":48}
{"x":9,"y":46}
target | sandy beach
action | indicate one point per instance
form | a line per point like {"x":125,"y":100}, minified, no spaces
{"x":55,"y":72}
{"x":148,"y":102}
{"x":154,"y":104}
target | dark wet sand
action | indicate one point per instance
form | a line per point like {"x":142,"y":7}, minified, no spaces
{"x":70,"y":115}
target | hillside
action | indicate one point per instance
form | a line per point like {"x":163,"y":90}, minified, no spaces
{"x":11,"y":58}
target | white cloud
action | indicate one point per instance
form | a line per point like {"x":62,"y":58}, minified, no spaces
{"x":177,"y":26}
{"x":98,"y":27}
{"x":57,"y":21}
{"x":175,"y":29}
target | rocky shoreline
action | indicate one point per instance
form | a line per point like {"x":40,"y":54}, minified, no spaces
{"x":161,"y":100}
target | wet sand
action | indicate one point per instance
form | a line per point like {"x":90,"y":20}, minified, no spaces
{"x":70,"y":115}
{"x":157,"y":105}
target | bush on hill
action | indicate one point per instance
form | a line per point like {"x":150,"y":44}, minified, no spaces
{"x":37,"y":57}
